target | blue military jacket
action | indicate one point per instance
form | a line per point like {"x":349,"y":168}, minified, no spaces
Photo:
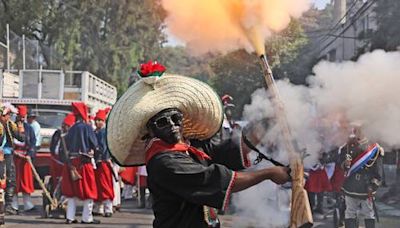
{"x":81,"y":139}
{"x":30,"y":140}
{"x":103,"y":152}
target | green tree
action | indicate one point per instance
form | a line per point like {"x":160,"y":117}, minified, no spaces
{"x":105,"y":37}
{"x":178,"y":60}
{"x":239,"y":73}
{"x":387,"y":36}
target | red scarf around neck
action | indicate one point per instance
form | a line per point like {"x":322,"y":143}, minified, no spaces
{"x":157,"y":146}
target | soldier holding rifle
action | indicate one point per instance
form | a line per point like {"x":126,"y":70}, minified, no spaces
{"x":152,"y":123}
{"x":57,"y":150}
{"x":78,"y":177}
{"x":24,"y":176}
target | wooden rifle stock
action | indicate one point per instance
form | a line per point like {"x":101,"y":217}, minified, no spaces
{"x":301,"y":215}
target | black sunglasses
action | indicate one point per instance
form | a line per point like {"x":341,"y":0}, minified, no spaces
{"x":165,"y":121}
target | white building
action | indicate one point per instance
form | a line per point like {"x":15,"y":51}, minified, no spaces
{"x":354,"y":19}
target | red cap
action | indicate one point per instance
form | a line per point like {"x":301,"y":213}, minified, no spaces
{"x":108,"y":109}
{"x":69,"y":119}
{"x":101,"y":115}
{"x":22,"y":110}
{"x":79,"y":108}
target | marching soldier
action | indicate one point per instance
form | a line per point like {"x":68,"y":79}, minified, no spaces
{"x":56,"y":149}
{"x":10,"y":132}
{"x":104,"y":171}
{"x":359,"y":159}
{"x":78,"y":177}
{"x":24,"y":176}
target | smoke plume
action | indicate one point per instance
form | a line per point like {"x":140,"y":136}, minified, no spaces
{"x":218,"y":25}
{"x":319,"y":115}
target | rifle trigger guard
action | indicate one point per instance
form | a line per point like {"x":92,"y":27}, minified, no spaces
{"x":258,"y":160}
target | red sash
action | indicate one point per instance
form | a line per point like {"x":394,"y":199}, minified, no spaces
{"x":157,"y":146}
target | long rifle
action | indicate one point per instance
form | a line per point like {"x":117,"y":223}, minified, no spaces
{"x":301,"y":215}
{"x":52,"y":200}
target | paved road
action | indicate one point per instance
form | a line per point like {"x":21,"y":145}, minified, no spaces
{"x":131,"y":216}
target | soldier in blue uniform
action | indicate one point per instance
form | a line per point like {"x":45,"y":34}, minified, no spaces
{"x":104,"y":171}
{"x":78,"y":178}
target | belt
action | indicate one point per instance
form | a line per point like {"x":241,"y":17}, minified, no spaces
{"x":21,"y":152}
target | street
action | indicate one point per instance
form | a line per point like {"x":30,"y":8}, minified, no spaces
{"x":131,"y":216}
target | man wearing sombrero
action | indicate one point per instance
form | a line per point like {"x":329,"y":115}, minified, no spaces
{"x":81,"y":145}
{"x":152,"y":123}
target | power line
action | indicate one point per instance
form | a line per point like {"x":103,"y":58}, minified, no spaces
{"x":357,"y":15}
{"x":339,"y":21}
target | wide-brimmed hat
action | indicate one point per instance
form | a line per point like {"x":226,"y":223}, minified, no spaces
{"x":126,"y":124}
{"x":7,"y":108}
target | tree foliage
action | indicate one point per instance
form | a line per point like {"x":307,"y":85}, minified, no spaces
{"x":239,"y":73}
{"x":387,"y":36}
{"x":105,"y":37}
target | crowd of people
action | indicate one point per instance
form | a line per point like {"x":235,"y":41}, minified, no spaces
{"x":80,"y":163}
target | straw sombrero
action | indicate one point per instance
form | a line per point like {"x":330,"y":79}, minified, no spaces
{"x":126,"y":124}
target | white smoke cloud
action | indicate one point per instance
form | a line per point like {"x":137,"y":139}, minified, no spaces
{"x":339,"y":93}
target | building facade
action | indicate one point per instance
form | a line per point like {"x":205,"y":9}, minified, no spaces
{"x":354,"y":21}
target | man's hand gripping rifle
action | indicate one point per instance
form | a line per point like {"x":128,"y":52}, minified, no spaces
{"x":301,"y":215}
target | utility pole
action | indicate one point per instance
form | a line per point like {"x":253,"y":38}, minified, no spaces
{"x":7,"y":47}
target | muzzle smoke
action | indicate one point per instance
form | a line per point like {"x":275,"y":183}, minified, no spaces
{"x":319,"y":115}
{"x":223,"y":25}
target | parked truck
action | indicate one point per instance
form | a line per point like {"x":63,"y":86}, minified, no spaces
{"x":49,"y":93}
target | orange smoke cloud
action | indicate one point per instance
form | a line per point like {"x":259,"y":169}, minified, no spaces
{"x":223,"y":25}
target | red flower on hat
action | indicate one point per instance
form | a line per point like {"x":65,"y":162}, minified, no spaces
{"x":151,"y":69}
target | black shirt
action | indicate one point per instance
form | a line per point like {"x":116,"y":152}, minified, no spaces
{"x":180,"y":186}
